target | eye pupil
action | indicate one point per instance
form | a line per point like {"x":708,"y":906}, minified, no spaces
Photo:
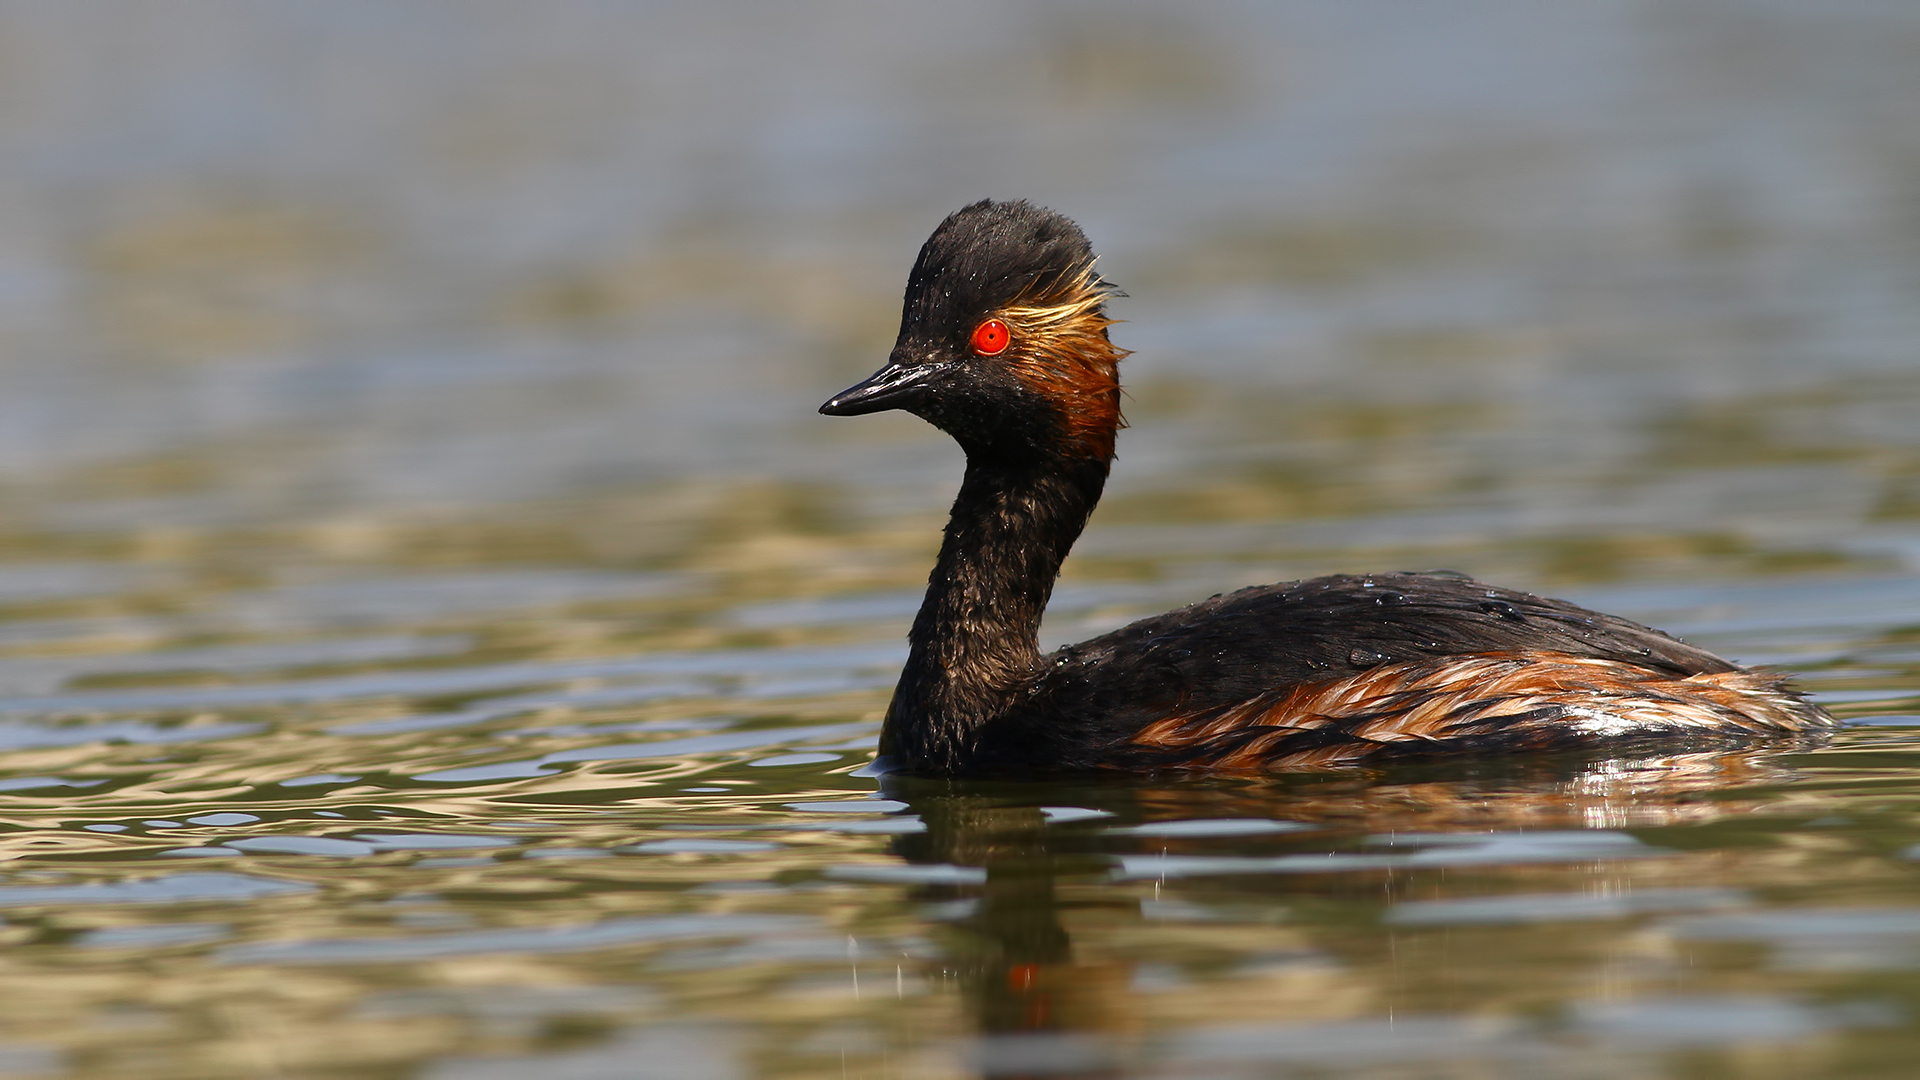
{"x":991,"y":338}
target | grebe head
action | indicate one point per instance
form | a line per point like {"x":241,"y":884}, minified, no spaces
{"x":1003,"y":338}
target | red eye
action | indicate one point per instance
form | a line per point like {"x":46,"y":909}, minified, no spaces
{"x":991,"y":338}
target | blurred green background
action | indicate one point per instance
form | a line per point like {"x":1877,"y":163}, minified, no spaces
{"x":1561,"y":293}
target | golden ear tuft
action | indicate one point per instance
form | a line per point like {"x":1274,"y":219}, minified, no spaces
{"x":1066,"y":356}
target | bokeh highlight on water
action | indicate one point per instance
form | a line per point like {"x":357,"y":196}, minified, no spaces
{"x":438,"y":639}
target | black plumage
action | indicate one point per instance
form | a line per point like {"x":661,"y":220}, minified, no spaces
{"x":1327,"y":670}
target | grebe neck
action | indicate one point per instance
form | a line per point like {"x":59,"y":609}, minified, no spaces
{"x":976,"y":643}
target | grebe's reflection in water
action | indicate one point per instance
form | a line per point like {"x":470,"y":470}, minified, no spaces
{"x":1122,"y":928}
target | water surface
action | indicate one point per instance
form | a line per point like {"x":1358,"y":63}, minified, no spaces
{"x":438,"y":639}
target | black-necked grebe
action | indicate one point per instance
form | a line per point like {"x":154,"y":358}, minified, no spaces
{"x":1003,"y":345}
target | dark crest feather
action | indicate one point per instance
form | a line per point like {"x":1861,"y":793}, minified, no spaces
{"x":986,"y":256}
